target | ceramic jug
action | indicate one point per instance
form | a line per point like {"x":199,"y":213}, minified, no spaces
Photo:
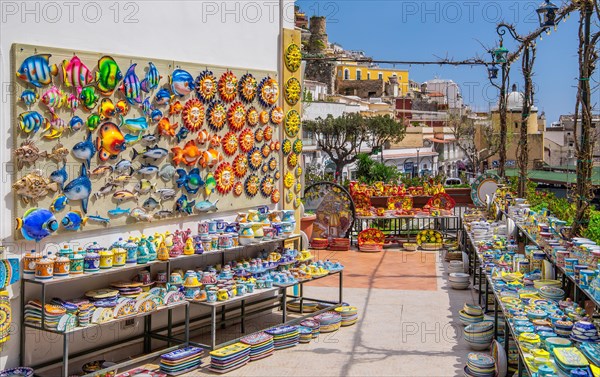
{"x":263,"y":209}
{"x":142,"y":252}
{"x":246,"y":234}
{"x":152,"y":249}
{"x":163,"y":252}
{"x":288,"y":216}
{"x":131,"y":249}
{"x":259,"y":233}
{"x":252,"y":216}
{"x":242,"y":217}
{"x":275,"y":216}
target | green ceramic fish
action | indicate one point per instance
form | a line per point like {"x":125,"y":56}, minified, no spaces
{"x":108,"y":75}
{"x":210,"y":184}
{"x":88,"y":97}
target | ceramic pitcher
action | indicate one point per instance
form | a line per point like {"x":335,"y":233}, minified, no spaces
{"x":246,"y":234}
{"x":252,"y":215}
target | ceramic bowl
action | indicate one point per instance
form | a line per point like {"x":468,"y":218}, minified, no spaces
{"x":459,"y":277}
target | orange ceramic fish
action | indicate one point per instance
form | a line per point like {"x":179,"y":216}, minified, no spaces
{"x":189,"y":155}
{"x":175,"y":108}
{"x":166,"y":128}
{"x":106,"y":109}
{"x":202,"y":137}
{"x":215,"y":141}
{"x":122,"y":107}
{"x":110,"y":141}
{"x":210,"y":158}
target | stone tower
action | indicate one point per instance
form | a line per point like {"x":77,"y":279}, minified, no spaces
{"x":317,"y":46}
{"x":318,"y":42}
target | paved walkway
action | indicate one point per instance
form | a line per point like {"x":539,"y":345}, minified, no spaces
{"x":407,"y":325}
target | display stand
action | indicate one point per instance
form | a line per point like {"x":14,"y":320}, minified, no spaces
{"x":399,"y":229}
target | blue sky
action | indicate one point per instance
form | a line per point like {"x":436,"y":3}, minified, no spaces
{"x":424,"y":30}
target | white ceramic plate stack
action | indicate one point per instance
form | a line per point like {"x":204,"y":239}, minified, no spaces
{"x":456,"y":266}
{"x":479,"y":335}
{"x":459,"y":280}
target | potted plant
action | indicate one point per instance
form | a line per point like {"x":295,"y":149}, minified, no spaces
{"x":306,"y":223}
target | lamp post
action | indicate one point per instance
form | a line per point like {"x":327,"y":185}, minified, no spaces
{"x":500,"y":56}
{"x":418,"y":163}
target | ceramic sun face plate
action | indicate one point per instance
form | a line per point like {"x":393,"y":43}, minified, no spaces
{"x":238,"y":188}
{"x":252,"y":116}
{"x":293,"y":57}
{"x":247,"y":87}
{"x":217,"y":116}
{"x":206,"y":86}
{"x":246,"y":140}
{"x":292,"y":91}
{"x":236,"y":116}
{"x":292,"y":160}
{"x":268,"y":90}
{"x":266,"y":186}
{"x":252,"y":185}
{"x":276,"y":115}
{"x":287,"y":146}
{"x":265,"y":150}
{"x":228,"y":86}
{"x":193,"y":115}
{"x":259,"y":135}
{"x":292,"y":123}
{"x":225,"y":177}
{"x":240,"y":165}
{"x":288,"y":180}
{"x":263,"y":117}
{"x":297,"y":146}
{"x":230,"y":143}
{"x":268,"y":133}
{"x":275,"y":196}
{"x":255,"y":159}
{"x":272,"y":163}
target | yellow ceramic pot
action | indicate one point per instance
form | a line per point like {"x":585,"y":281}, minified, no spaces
{"x":106,"y":259}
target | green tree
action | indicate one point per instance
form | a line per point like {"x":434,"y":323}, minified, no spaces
{"x":384,"y":129}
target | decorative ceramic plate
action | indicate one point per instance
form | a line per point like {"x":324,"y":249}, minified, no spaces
{"x":275,"y":145}
{"x":268,"y":133}
{"x":5,"y":317}
{"x":441,"y":200}
{"x":228,"y":86}
{"x":230,"y":143}
{"x":299,"y":172}
{"x":193,"y":115}
{"x":102,"y":293}
{"x":259,"y":135}
{"x":124,"y":308}
{"x":268,"y":90}
{"x":292,"y":91}
{"x":297,"y":146}
{"x":217,"y":115}
{"x":255,"y":159}
{"x":264,"y":168}
{"x":287,"y":146}
{"x":224,"y":177}
{"x":240,"y":165}
{"x":67,"y":323}
{"x":174,"y":297}
{"x":206,"y":86}
{"x":288,"y":180}
{"x":145,"y":305}
{"x":266,"y":151}
{"x":252,"y":185}
{"x":3,"y":275}
{"x":275,"y":196}
{"x":292,"y":160}
{"x":236,"y":116}
{"x":272,"y":163}
{"x":292,"y":123}
{"x":247,"y":87}
{"x":17,"y":372}
{"x":263,"y":117}
{"x":293,"y":57}
{"x":277,"y":174}
{"x":266,"y":186}
{"x":298,"y":187}
{"x":246,"y":140}
{"x":276,"y":115}
{"x":238,"y":189}
{"x":252,"y":116}
{"x":485,"y":185}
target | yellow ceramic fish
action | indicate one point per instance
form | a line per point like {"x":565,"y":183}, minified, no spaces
{"x":110,"y":141}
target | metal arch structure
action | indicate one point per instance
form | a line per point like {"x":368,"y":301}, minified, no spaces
{"x":326,"y":196}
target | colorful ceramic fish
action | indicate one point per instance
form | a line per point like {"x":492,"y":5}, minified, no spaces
{"x":122,"y":107}
{"x":76,"y":74}
{"x":106,"y":109}
{"x":122,"y":179}
{"x":162,"y":97}
{"x":76,"y":123}
{"x":163,"y":213}
{"x":202,"y":137}
{"x":132,"y":139}
{"x":37,"y":71}
{"x":73,"y":220}
{"x":118,"y":211}
{"x":124,"y":166}
{"x":140,"y":214}
{"x":73,"y":102}
{"x":99,"y":219}
{"x":108,"y":75}
{"x":166,"y":193}
{"x":154,"y":153}
{"x":55,"y":128}
{"x":54,"y":98}
{"x":205,"y":206}
{"x":85,"y":150}
{"x":88,"y":97}
{"x":147,"y":169}
{"x":184,"y":206}
{"x":110,"y":141}
{"x":105,"y":190}
{"x":60,"y":176}
{"x":27,"y":152}
{"x":210,"y":183}
{"x":100,"y":170}
{"x":150,"y":204}
{"x":31,"y":121}
{"x":188,"y":155}
{"x":59,"y":153}
{"x":92,"y":122}
{"x":166,"y":128}
{"x":175,"y":108}
{"x":214,"y":141}
{"x":182,"y":83}
{"x":29,"y":97}
{"x":190,"y":181}
{"x":123,"y":195}
{"x":147,"y":107}
{"x":59,"y":203}
{"x":36,"y":224}
{"x":131,"y":86}
{"x":152,"y":78}
{"x":210,"y":158}
{"x":182,"y":134}
{"x":149,"y":139}
{"x":156,"y":115}
{"x":135,"y":125}
{"x":167,"y":172}
{"x":34,"y":186}
{"x":79,"y":189}
{"x":143,"y":186}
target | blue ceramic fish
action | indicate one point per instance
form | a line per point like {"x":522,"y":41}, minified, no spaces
{"x":29,"y":97}
{"x":152,"y":78}
{"x":162,"y":97}
{"x":60,"y":176}
{"x":118,"y":211}
{"x":85,"y":150}
{"x":149,"y":139}
{"x":147,"y":169}
{"x":37,"y":70}
{"x":132,"y":139}
{"x":147,"y":107}
{"x":205,"y":206}
{"x":99,"y":219}
{"x":190,"y":181}
{"x":31,"y":121}
{"x":76,"y":123}
{"x":182,"y":205}
{"x":73,"y":220}
{"x":123,"y":167}
{"x":182,"y":83}
{"x":135,"y":125}
{"x":79,"y":189}
{"x":150,"y":204}
{"x":37,"y":223}
{"x":182,"y":134}
{"x":59,"y":203}
{"x":156,"y":115}
{"x":131,"y":86}
{"x":155,"y":153}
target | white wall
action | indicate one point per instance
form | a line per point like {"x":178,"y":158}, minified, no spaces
{"x":228,"y":33}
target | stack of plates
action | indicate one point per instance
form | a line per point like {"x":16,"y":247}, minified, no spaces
{"x":261,"y":345}
{"x":181,"y":361}
{"x":313,"y":324}
{"x":103,"y":298}
{"x":470,"y":314}
{"x":584,"y":331}
{"x":479,"y":335}
{"x":459,"y":280}
{"x":53,"y":313}
{"x":591,"y":351}
{"x":546,"y":283}
{"x":308,"y":307}
{"x":305,"y":334}
{"x":284,"y":336}
{"x":549,"y":292}
{"x":319,"y":243}
{"x":339,"y":244}
{"x":456,"y":266}
{"x":130,"y":289}
{"x":229,"y":358}
{"x":568,"y":359}
{"x":349,"y":315}
{"x":329,"y":321}
{"x":480,"y":365}
{"x":563,"y":328}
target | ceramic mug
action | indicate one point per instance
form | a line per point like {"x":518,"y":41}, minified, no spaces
{"x":220,"y":225}
{"x":211,"y":296}
{"x":203,"y":227}
{"x":250,"y":287}
{"x":212,"y":227}
{"x":240,"y":289}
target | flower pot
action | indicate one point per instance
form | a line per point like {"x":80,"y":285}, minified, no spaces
{"x":306,"y":224}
